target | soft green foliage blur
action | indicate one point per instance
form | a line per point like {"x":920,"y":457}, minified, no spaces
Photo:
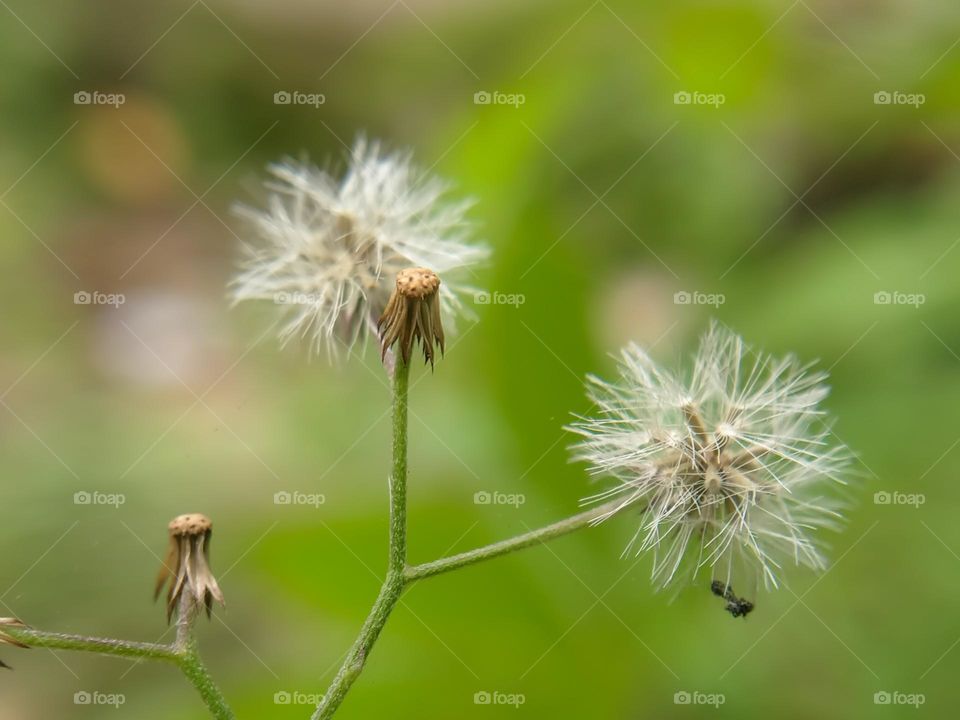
{"x":601,"y":199}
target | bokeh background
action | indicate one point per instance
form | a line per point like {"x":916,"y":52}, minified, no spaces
{"x":787,"y":193}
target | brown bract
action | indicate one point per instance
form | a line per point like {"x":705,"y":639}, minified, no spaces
{"x":4,"y":638}
{"x":187,"y":565}
{"x":413,"y":315}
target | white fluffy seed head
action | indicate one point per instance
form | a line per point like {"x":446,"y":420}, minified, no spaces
{"x":735,"y":463}
{"x":327,"y":250}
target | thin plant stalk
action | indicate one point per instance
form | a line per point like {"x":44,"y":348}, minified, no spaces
{"x":190,"y":663}
{"x":399,"y":575}
{"x":196,"y":672}
{"x":394,"y":583}
{"x":519,"y":542}
{"x":398,"y":478}
{"x":101,"y":646}
{"x":183,"y":653}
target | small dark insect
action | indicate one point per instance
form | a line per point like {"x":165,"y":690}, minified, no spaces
{"x":736,"y":606}
{"x":739,"y":607}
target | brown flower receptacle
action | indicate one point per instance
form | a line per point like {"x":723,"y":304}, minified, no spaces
{"x":413,"y":315}
{"x":187,"y":565}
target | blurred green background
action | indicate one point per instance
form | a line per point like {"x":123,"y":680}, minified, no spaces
{"x":786,"y":185}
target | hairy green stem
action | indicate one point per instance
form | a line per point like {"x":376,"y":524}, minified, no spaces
{"x":186,"y":658}
{"x":398,"y":478}
{"x":393,"y":586}
{"x":358,"y":654}
{"x":103,"y":646}
{"x":196,"y":672}
{"x":534,"y":537}
{"x":399,"y":575}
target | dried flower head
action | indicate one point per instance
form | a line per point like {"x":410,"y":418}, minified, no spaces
{"x":187,"y":565}
{"x":328,"y":250}
{"x":413,"y":315}
{"x":7,"y":639}
{"x":734,"y":462}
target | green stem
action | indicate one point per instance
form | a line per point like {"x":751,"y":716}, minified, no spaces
{"x":188,"y":659}
{"x":103,"y":646}
{"x":357,"y":657}
{"x":398,"y":479}
{"x":399,"y":575}
{"x":534,"y":537}
{"x":196,"y":672}
{"x":185,"y":657}
{"x":393,"y":586}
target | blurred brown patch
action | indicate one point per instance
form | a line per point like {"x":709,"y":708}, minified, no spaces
{"x":134,"y":153}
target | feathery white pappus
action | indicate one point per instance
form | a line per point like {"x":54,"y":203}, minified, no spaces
{"x":734,"y":462}
{"x":328,"y":250}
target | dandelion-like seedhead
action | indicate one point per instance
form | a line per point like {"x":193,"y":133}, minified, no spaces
{"x":328,"y":250}
{"x":734,"y":463}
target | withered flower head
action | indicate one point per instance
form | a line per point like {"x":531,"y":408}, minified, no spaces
{"x":413,"y":314}
{"x":187,"y":565}
{"x":4,"y":638}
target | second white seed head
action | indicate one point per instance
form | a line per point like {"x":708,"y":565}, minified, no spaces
{"x":735,"y":464}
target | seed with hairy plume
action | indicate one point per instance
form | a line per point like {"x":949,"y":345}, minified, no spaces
{"x":413,"y":315}
{"x":326,"y":250}
{"x":187,"y":566}
{"x":735,"y":462}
